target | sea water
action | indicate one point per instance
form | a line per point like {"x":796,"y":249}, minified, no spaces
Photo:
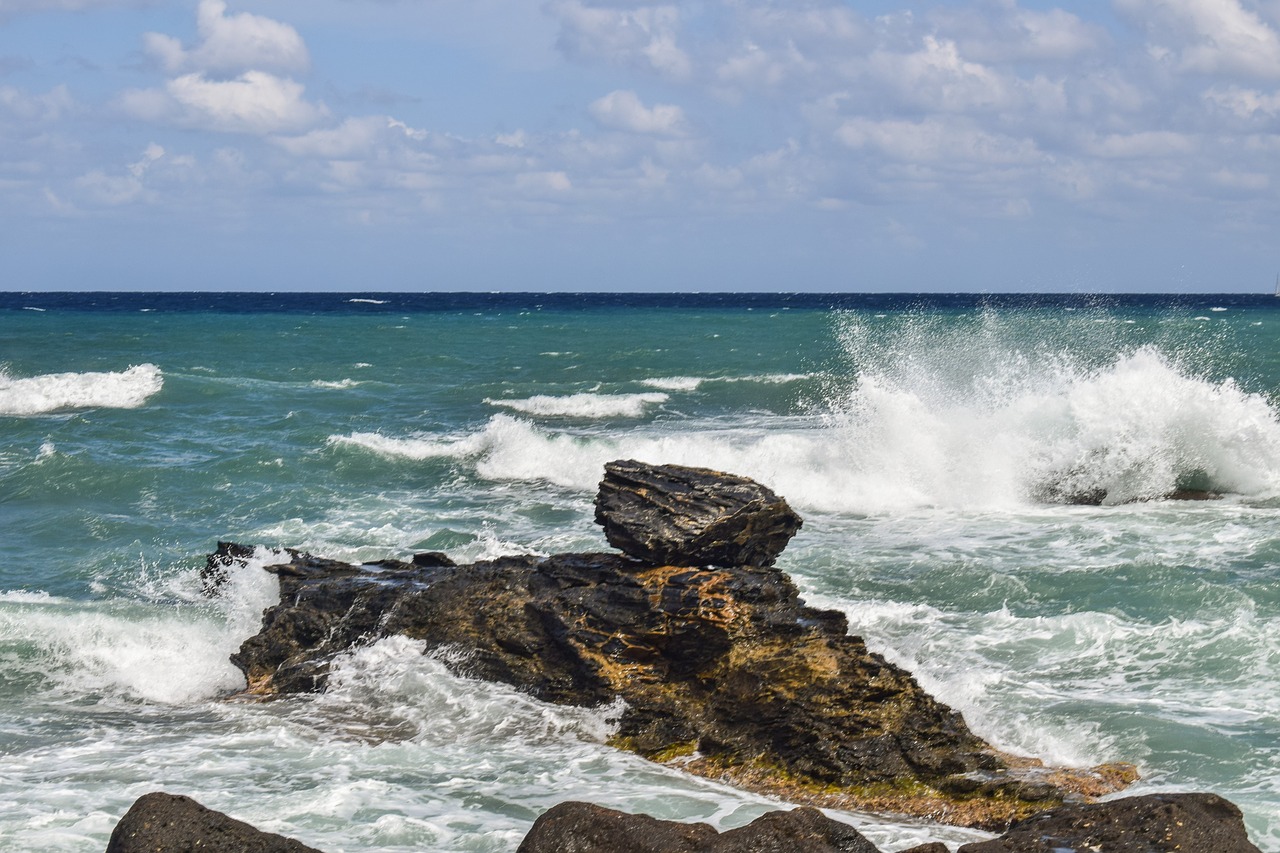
{"x":928,"y":441}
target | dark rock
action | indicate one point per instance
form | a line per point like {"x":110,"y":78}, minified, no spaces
{"x":931,"y":847}
{"x":433,"y":558}
{"x":1156,"y":823}
{"x":584,"y":828}
{"x":216,"y":566}
{"x":677,"y":516}
{"x":725,"y":670}
{"x":166,"y":823}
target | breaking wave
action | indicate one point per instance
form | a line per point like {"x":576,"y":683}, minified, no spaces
{"x":933,"y":417}
{"x":55,"y":392}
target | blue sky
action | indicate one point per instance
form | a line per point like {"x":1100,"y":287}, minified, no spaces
{"x":997,"y":145}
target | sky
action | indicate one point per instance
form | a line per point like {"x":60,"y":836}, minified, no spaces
{"x":810,"y":145}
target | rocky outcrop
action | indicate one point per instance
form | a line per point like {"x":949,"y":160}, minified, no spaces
{"x":677,"y":516}
{"x":1156,"y":823}
{"x":724,"y":670}
{"x":584,"y":828}
{"x":167,"y":823}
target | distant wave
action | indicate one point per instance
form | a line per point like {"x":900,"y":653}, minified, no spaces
{"x":370,"y":301}
{"x":55,"y":392}
{"x":693,"y":383}
{"x":584,"y":405}
{"x":340,"y":385}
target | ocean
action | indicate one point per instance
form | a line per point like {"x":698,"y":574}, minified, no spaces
{"x":931,"y":443}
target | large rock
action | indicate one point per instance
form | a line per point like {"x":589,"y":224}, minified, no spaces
{"x":1156,"y":823}
{"x":584,"y":828}
{"x":724,"y":670}
{"x":167,"y":823}
{"x":677,"y":516}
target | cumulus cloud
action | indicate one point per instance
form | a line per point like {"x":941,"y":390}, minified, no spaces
{"x":237,"y":42}
{"x":1003,"y":32}
{"x":255,"y":102}
{"x":644,"y":36}
{"x":623,"y":110}
{"x":114,"y":190}
{"x":1209,"y":36}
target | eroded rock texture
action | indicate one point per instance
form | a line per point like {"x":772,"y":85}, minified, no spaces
{"x":678,"y":516}
{"x":723,"y":669}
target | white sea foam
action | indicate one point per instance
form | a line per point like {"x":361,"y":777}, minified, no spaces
{"x":158,"y":653}
{"x":370,"y":301}
{"x":340,"y":385}
{"x":584,"y":405}
{"x":54,"y":392}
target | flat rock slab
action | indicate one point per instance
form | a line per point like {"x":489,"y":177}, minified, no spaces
{"x":585,"y":828}
{"x":677,"y":516}
{"x":169,"y":823}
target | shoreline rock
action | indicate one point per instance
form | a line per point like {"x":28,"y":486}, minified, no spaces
{"x":171,"y":823}
{"x":1155,"y":823}
{"x":723,"y":670}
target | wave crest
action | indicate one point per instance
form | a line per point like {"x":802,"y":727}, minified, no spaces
{"x":55,"y":392}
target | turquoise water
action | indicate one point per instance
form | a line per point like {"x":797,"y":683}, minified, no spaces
{"x":923,"y":440}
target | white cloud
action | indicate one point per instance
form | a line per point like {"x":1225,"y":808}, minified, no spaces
{"x":644,"y":36}
{"x":936,"y":76}
{"x":1210,"y":36}
{"x":1142,"y":145}
{"x":355,"y":137}
{"x":114,"y":190}
{"x":255,"y":102}
{"x":935,"y":140}
{"x":623,"y":110}
{"x":47,"y":107}
{"x":237,"y":42}
{"x":1246,"y":103}
{"x":1000,"y":31}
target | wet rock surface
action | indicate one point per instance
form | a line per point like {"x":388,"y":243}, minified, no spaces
{"x":673,"y":515}
{"x":169,"y":823}
{"x":1156,"y":823}
{"x":584,"y":828}
{"x":721,"y":667}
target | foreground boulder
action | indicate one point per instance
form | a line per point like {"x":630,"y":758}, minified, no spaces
{"x":678,"y":516}
{"x":584,"y":828}
{"x":1156,"y":823}
{"x":167,"y":823}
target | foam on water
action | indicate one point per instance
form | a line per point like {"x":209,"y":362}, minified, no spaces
{"x":585,"y":405}
{"x":55,"y":392}
{"x":173,"y":652}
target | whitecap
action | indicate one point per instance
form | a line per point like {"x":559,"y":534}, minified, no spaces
{"x":370,"y":301}
{"x":584,"y":405}
{"x":340,"y":385}
{"x":54,"y":392}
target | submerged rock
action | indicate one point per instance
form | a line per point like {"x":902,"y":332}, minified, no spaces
{"x":585,"y":828}
{"x":678,"y":516}
{"x":168,"y":823}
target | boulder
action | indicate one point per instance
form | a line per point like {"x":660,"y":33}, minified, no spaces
{"x":677,"y":516}
{"x":1156,"y":823}
{"x":585,"y":828}
{"x":168,"y":823}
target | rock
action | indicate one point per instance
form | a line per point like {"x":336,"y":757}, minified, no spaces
{"x":166,"y":823}
{"x":585,"y":828}
{"x":677,"y":516}
{"x":1156,"y":823}
{"x":931,"y":847}
{"x":724,"y":670}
